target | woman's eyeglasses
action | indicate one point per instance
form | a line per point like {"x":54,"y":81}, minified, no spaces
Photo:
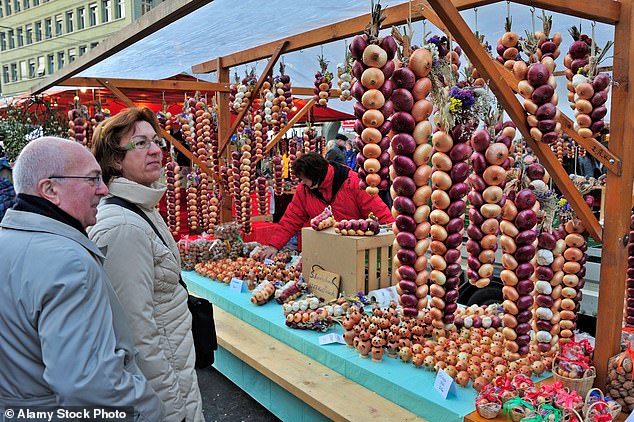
{"x":94,"y":180}
{"x":142,"y":142}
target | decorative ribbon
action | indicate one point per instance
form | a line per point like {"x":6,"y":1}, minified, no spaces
{"x":628,"y":352}
{"x":568,"y":400}
{"x":516,"y":402}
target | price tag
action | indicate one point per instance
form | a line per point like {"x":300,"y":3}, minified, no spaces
{"x":268,"y":261}
{"x":444,"y":384}
{"x":237,"y":285}
{"x":331,"y":338}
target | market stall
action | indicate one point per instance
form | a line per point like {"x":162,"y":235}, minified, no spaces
{"x":467,"y":196}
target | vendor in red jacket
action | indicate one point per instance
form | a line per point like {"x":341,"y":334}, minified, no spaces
{"x":324,"y":184}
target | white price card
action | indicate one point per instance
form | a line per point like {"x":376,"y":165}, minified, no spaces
{"x":237,"y":285}
{"x":331,"y":338}
{"x":444,"y":384}
{"x":268,"y":261}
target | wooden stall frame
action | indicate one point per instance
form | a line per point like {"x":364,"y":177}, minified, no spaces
{"x":618,"y":13}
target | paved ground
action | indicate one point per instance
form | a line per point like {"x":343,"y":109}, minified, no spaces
{"x":225,"y":401}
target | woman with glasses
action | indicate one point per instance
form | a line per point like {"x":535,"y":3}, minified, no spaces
{"x":145,"y":271}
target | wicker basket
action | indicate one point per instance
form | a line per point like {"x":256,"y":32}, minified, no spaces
{"x":580,"y":385}
{"x":489,"y":410}
{"x":517,"y":409}
{"x":569,"y":413}
{"x":613,"y":407}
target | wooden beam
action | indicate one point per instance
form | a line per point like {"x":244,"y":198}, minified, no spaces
{"x":224,"y":122}
{"x":224,"y":141}
{"x":606,"y":11}
{"x":308,"y":92}
{"x":149,"y":84}
{"x":396,"y":15}
{"x":594,"y":147}
{"x":290,"y":124}
{"x":506,"y":97}
{"x":159,"y":17}
{"x":618,"y":191}
{"x":120,"y":95}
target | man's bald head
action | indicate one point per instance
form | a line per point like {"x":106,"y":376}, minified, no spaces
{"x":42,"y":158}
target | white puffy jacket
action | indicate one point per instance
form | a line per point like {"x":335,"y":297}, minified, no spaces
{"x":145,"y":275}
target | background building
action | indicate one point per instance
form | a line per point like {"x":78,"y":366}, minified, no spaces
{"x":39,"y":37}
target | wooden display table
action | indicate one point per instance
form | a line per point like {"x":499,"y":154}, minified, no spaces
{"x":255,"y":341}
{"x":308,"y":380}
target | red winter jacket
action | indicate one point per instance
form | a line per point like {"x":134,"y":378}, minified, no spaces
{"x":349,"y":203}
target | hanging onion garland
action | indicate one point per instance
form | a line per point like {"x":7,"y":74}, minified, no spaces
{"x":490,"y":162}
{"x":373,"y":67}
{"x":548,"y":271}
{"x":518,"y":243}
{"x":77,"y":122}
{"x":574,"y":268}
{"x":170,"y":179}
{"x":410,"y":172}
{"x":588,"y":89}
{"x":323,"y":83}
{"x":278,"y":181}
{"x":537,"y":86}
{"x":310,"y":143}
{"x":261,"y":189}
{"x":292,"y":156}
{"x":508,"y":46}
{"x":345,"y":80}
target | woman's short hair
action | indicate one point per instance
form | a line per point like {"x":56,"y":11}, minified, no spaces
{"x":107,"y":136}
{"x":311,"y":166}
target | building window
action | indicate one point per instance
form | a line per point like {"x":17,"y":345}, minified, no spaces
{"x":81,"y":18}
{"x":92,"y":14}
{"x":82,"y":50}
{"x":58,"y":25}
{"x":20,"y":36}
{"x":7,"y":7}
{"x":93,"y":45}
{"x":72,"y":55}
{"x":26,"y":4}
{"x":60,"y":59}
{"x":38,"y":31}
{"x":5,"y":74}
{"x":41,"y":66}
{"x":50,"y":63}
{"x":29,"y":34}
{"x":3,"y":41}
{"x":48,"y":28}
{"x":1,"y":9}
{"x":36,"y":2}
{"x":106,"y":11}
{"x":11,"y":39}
{"x":119,"y":9}
{"x":69,"y":22}
{"x":23,"y":71}
{"x":16,"y":6}
{"x":31,"y":68}
{"x":14,"y":72}
{"x":146,"y":6}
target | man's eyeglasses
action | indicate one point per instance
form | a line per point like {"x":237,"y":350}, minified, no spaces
{"x":94,"y":180}
{"x":144,"y":143}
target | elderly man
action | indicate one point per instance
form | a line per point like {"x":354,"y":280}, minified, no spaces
{"x":64,"y":339}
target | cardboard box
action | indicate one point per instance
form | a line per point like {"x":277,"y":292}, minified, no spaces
{"x":363,"y":262}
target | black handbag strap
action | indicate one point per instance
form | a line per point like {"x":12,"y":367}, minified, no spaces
{"x":116,"y":200}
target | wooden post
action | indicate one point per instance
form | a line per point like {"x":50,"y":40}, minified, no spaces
{"x":256,"y":89}
{"x":482,"y":61}
{"x":224,"y":122}
{"x":618,"y":206}
{"x":120,"y":95}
